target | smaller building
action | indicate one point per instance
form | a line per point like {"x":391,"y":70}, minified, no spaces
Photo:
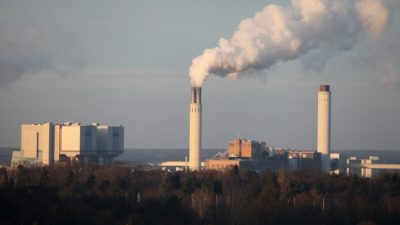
{"x":247,"y":149}
{"x":338,"y":163}
{"x":358,"y":166}
{"x":221,"y":163}
{"x":248,"y":154}
{"x":304,"y":160}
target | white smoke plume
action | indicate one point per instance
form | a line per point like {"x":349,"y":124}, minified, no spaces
{"x":221,"y":155}
{"x":310,"y":30}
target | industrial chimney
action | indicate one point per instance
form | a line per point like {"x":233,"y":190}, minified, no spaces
{"x":195,"y":129}
{"x":324,"y":126}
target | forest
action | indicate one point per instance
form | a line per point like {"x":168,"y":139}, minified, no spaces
{"x":81,"y":194}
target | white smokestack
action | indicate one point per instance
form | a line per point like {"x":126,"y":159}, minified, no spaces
{"x":308,"y":28}
{"x":195,"y":129}
{"x":324,"y":126}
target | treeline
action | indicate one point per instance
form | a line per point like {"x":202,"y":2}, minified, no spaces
{"x":124,"y":195}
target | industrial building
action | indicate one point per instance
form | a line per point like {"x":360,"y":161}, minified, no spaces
{"x":274,"y":163}
{"x":368,"y":167}
{"x":304,"y":160}
{"x":49,"y":143}
{"x":247,"y":149}
{"x":255,"y":155}
{"x":248,"y":154}
{"x":251,"y":154}
{"x":338,"y":163}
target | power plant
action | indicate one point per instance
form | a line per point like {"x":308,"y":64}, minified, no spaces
{"x":50,"y":143}
{"x":324,"y":126}
{"x":195,"y":129}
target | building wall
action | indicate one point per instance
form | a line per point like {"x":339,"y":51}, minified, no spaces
{"x":117,"y":140}
{"x":45,"y":143}
{"x":304,"y":160}
{"x":110,"y":140}
{"x":37,"y":142}
{"x":221,"y":164}
{"x":103,"y":139}
{"x":234,"y":148}
{"x":71,"y":140}
{"x":273,"y":164}
{"x":89,"y":140}
{"x":249,"y":149}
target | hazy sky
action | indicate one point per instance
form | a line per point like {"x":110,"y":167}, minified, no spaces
{"x":126,"y":62}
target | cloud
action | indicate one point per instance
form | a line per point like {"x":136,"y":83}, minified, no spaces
{"x":373,"y":14}
{"x":26,"y":50}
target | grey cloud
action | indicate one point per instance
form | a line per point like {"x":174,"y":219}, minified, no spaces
{"x":26,"y":50}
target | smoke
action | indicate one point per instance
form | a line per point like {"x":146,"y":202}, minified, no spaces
{"x":221,"y":155}
{"x":310,"y":30}
{"x":392,"y":79}
{"x":373,"y":16}
{"x":24,"y":50}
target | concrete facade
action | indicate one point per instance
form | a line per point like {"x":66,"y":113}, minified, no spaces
{"x":48,"y":143}
{"x":195,"y":129}
{"x":37,"y":143}
{"x":221,"y":164}
{"x":324,"y":126}
{"x":110,"y":140}
{"x":248,"y":154}
{"x":274,"y":164}
{"x":304,"y":160}
{"x":249,"y":149}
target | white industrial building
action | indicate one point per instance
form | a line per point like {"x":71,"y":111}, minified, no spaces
{"x":49,"y":143}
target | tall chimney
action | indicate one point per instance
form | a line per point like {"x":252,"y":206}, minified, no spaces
{"x":195,"y":129}
{"x":324,"y":126}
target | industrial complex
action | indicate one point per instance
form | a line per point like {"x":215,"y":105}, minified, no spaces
{"x":49,"y":143}
{"x":256,"y":155}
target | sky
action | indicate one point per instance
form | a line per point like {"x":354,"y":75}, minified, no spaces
{"x":127,"y":63}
